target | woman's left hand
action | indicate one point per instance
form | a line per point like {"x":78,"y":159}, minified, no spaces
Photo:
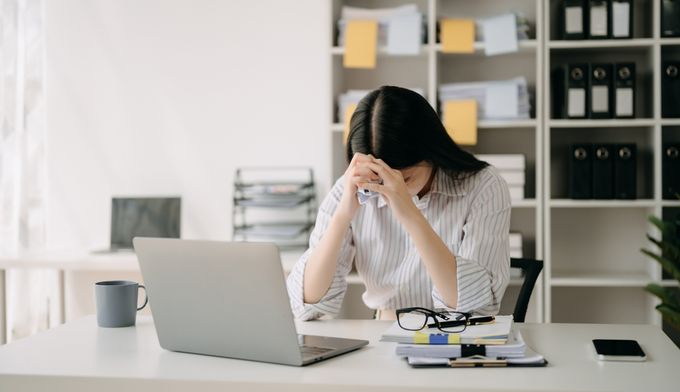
{"x":393,"y":188}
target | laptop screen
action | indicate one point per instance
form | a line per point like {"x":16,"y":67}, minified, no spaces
{"x":143,"y":217}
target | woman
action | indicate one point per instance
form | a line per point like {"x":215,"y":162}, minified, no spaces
{"x":437,"y":234}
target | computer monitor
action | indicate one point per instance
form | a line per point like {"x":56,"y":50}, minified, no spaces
{"x":143,"y":217}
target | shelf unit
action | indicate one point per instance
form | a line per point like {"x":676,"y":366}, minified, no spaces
{"x":430,"y":68}
{"x":594,"y":269}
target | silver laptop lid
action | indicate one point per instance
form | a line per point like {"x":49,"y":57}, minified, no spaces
{"x":219,"y":298}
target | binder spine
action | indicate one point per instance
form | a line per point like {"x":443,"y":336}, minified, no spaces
{"x":603,"y":171}
{"x":624,"y":90}
{"x":600,"y":91}
{"x":580,"y":177}
{"x":670,"y":89}
{"x":577,"y":91}
{"x":625,"y":171}
{"x":671,"y":171}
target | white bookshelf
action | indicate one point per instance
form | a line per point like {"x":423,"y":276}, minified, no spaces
{"x":432,"y":67}
{"x":594,"y":269}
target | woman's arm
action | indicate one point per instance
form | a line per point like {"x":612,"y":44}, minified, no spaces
{"x":463,"y":283}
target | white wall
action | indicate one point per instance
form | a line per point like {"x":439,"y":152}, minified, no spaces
{"x":152,"y":97}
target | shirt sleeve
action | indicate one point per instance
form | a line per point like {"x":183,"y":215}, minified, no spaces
{"x":483,"y":259}
{"x":332,"y":300}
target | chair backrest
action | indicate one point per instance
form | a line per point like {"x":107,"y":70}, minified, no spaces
{"x":531,"y":268}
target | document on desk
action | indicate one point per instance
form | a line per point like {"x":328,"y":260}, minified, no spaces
{"x":530,"y":359}
{"x":494,"y":333}
{"x":513,"y":348}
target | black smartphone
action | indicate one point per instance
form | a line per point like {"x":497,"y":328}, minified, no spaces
{"x":618,"y":350}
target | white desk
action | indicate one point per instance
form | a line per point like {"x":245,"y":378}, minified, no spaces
{"x":67,"y":260}
{"x":79,"y":356}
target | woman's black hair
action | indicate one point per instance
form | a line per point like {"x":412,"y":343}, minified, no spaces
{"x":400,"y":127}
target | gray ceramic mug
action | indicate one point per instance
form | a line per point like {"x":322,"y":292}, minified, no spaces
{"x":117,"y":303}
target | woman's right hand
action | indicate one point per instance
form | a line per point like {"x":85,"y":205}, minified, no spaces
{"x":357,"y":172}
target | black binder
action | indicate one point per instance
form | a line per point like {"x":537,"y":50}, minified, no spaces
{"x":580,"y":172}
{"x":599,"y":17}
{"x":670,"y":18}
{"x":670,"y":171}
{"x":600,"y":91}
{"x":576,"y":94}
{"x":558,"y":80}
{"x":621,"y":25}
{"x":624,"y":90}
{"x":573,"y":19}
{"x":603,"y":171}
{"x":625,"y":171}
{"x":670,"y":89}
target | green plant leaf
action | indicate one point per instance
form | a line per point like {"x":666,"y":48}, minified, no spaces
{"x":672,"y":316}
{"x":661,"y":225}
{"x":668,"y":295}
{"x":667,"y":265}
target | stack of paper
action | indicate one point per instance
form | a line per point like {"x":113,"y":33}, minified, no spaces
{"x":352,"y":97}
{"x":516,"y":245}
{"x":491,"y":334}
{"x":512,"y":168}
{"x":401,"y":29}
{"x":513,"y":348}
{"x":495,"y":344}
{"x":496,"y":100}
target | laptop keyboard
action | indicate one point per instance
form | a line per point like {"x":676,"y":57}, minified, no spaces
{"x":313,"y":350}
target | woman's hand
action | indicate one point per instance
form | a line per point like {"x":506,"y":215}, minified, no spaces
{"x":357,"y":173}
{"x":393,"y":188}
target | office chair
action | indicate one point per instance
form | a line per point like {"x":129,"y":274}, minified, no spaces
{"x":531,"y":268}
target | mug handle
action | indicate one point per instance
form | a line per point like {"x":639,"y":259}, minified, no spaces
{"x":146,"y":297}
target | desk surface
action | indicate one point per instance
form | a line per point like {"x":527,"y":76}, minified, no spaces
{"x":79,"y":354}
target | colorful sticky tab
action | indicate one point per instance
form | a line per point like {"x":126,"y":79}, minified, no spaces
{"x":460,"y":120}
{"x":361,"y":43}
{"x":421,"y":338}
{"x":458,"y":35}
{"x":349,"y":111}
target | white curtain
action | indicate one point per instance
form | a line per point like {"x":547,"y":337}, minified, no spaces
{"x":23,"y":162}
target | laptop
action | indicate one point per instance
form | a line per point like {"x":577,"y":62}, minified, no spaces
{"x":227,"y":299}
{"x":142,"y":217}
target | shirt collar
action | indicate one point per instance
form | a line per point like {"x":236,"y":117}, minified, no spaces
{"x":442,"y":184}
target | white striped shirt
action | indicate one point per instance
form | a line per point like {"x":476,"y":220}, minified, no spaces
{"x":471,"y":217}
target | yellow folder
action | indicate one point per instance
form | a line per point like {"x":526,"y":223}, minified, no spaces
{"x":458,"y":35}
{"x":349,"y":111}
{"x":361,"y":42}
{"x":460,"y":120}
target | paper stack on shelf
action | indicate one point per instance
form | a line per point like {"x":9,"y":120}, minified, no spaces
{"x":401,"y":29}
{"x":512,"y":168}
{"x":352,"y":97}
{"x":496,"y":100}
{"x":516,"y":245}
{"x":522,"y":27}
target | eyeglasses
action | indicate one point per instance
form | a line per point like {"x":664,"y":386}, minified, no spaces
{"x":415,"y":319}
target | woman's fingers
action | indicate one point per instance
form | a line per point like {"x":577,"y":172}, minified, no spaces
{"x":372,"y":186}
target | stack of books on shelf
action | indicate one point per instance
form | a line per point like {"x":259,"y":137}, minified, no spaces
{"x":512,"y":168}
{"x":498,"y":343}
{"x":516,"y":252}
{"x":496,"y":100}
{"x":390,"y":21}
